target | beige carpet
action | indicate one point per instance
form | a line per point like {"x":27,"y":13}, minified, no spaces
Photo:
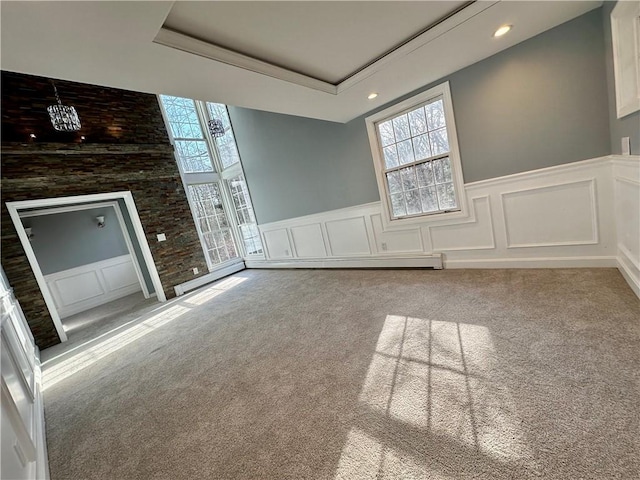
{"x":406,"y":374}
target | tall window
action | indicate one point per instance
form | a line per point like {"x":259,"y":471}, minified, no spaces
{"x":212,"y":173}
{"x":416,"y":156}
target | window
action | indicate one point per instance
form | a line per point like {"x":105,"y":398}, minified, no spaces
{"x":211,"y":171}
{"x":414,"y":146}
{"x":245,"y":216}
{"x":191,"y":146}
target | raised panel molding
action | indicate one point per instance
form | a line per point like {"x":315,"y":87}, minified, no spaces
{"x":348,"y":237}
{"x":78,"y":287}
{"x":560,"y":214}
{"x":474,"y":234}
{"x":396,"y":241}
{"x":85,"y":287}
{"x":277,"y":243}
{"x":308,"y":241}
{"x":119,"y":276}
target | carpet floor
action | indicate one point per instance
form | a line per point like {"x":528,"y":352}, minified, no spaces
{"x":360,"y":374}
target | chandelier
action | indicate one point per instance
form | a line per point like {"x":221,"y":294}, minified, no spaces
{"x":216,"y":128}
{"x":63,"y":117}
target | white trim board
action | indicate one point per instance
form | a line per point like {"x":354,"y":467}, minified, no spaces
{"x":537,"y":262}
{"x":423,"y":261}
{"x":14,"y":209}
{"x":185,"y":287}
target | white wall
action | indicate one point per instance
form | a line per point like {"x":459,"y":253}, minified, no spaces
{"x":560,"y":216}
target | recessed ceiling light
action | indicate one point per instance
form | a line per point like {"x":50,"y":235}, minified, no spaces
{"x":502,"y":30}
{"x":372,"y":96}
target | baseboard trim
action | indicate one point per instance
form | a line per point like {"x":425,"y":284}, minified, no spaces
{"x":629,"y":275}
{"x":548,"y":262}
{"x":185,"y":287}
{"x":422,"y":261}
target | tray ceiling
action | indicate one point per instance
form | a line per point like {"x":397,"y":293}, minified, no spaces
{"x":298,"y":58}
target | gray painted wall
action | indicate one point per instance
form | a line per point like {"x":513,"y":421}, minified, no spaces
{"x":67,"y":240}
{"x":628,"y":126}
{"x":540,"y":103}
{"x":295,"y":166}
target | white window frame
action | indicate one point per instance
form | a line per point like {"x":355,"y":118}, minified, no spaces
{"x":219,"y":176}
{"x":407,"y":105}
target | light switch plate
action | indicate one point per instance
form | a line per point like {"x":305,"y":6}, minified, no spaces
{"x":161,"y":237}
{"x":626,"y":146}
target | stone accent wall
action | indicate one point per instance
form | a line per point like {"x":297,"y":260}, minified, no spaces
{"x":126,"y":147}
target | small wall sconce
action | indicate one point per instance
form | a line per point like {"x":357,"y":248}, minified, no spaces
{"x":29,"y":232}
{"x":100,"y":220}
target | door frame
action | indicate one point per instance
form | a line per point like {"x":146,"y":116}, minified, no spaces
{"x":16,"y":207}
{"x":121,"y":222}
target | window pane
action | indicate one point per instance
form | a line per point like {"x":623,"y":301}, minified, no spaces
{"x":417,"y":122}
{"x":439,"y":141}
{"x":425,"y":174}
{"x":408,"y":176}
{"x":390,"y":156}
{"x":386,"y":133}
{"x":446,"y":169}
{"x":394,"y":182}
{"x":401,"y":127}
{"x":435,"y":115}
{"x":405,"y":152}
{"x":397,"y":205}
{"x":442,"y":169}
{"x":413,"y":202}
{"x":421,"y":147}
{"x":446,"y":196}
{"x":193,"y":156}
{"x":429,"y":199}
{"x":182,"y":116}
{"x":227,"y":147}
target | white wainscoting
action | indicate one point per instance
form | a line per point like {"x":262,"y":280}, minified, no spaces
{"x":23,"y":444}
{"x":626,"y":178}
{"x":85,"y":287}
{"x":581,"y":214}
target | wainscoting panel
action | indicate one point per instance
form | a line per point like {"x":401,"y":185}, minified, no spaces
{"x":77,"y":286}
{"x":551,"y":215}
{"x":561,"y":216}
{"x":308,"y":241}
{"x":277,"y":243}
{"x":474,"y":234}
{"x":348,"y":237}
{"x":119,"y":276}
{"x":396,"y":241}
{"x":85,"y":287}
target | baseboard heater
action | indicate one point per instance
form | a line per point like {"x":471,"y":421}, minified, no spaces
{"x":208,"y":278}
{"x":387,"y":261}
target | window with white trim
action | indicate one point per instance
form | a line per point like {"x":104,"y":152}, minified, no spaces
{"x":211,"y":171}
{"x":414,"y":146}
